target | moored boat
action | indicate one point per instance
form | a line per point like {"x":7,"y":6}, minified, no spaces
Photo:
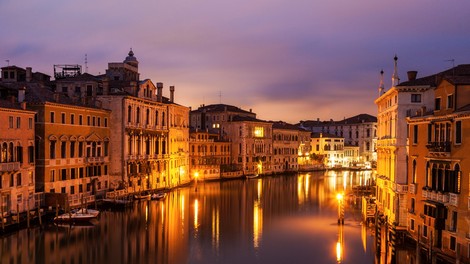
{"x":81,"y":215}
{"x":158,"y":196}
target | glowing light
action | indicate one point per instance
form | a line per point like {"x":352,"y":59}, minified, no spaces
{"x":257,"y":224}
{"x":339,"y":197}
{"x":259,"y":187}
{"x":215,"y":228}
{"x":339,"y":252}
{"x":196,"y":215}
{"x":196,"y":174}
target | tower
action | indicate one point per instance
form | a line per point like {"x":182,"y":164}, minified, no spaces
{"x":381,"y":85}
{"x":395,"y":79}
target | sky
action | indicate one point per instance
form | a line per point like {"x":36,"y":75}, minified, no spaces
{"x":287,"y":60}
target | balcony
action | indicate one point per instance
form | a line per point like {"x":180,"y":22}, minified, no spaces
{"x":96,"y":159}
{"x":412,"y":188}
{"x":401,"y":188}
{"x":439,"y":147}
{"x":9,"y":167}
{"x":451,"y":228}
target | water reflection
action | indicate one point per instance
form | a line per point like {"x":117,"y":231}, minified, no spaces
{"x":279,"y":219}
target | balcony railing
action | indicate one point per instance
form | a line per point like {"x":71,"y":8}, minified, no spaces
{"x":443,"y":146}
{"x":10,"y":166}
{"x":96,"y":159}
{"x":453,"y":199}
{"x":412,"y":188}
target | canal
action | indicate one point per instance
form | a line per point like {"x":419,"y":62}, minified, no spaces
{"x":272,"y":219}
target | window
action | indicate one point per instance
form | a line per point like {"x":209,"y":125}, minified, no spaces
{"x":105,"y":122}
{"x":18,"y":179}
{"x":99,"y":121}
{"x":425,"y":231}
{"x":72,"y":149}
{"x":437,"y":104}
{"x":72,"y":119}
{"x":94,"y":121}
{"x":415,"y":134}
{"x":52,"y":117}
{"x":88,"y":120}
{"x":413,"y":172}
{"x":129,"y":114}
{"x":52,"y":175}
{"x":30,"y":154}
{"x":80,"y":120}
{"x":30,"y":123}
{"x":458,"y":132}
{"x":63,"y":150}
{"x":416,"y":98}
{"x":138,"y":116}
{"x":52,"y":150}
{"x":18,"y":122}
{"x":259,"y":132}
{"x":412,"y":224}
{"x":412,"y":209}
{"x":80,"y":149}
{"x":10,"y":122}
{"x":64,"y":89}
{"x":429,"y":133}
{"x":452,"y":243}
{"x":63,"y":118}
{"x":450,"y":101}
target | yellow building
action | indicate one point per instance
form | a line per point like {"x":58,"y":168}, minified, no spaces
{"x":439,"y":147}
{"x":330,"y":147}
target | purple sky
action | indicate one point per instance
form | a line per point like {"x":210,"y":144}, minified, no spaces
{"x":288,"y":60}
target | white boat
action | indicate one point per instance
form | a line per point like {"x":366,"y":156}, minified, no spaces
{"x":81,"y":215}
{"x":158,"y":196}
{"x":141,"y":196}
{"x":251,"y":176}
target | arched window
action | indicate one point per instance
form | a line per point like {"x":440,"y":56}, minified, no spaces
{"x":129,"y":114}
{"x":4,"y":152}
{"x":458,"y":177}
{"x":413,"y":172}
{"x":148,"y":117}
{"x":428,"y":175}
{"x":10,"y":152}
{"x":156,"y":118}
{"x":138,"y":116}
{"x":163,"y":118}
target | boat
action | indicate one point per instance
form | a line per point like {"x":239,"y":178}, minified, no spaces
{"x":251,"y":176}
{"x":81,"y":215}
{"x":158,"y":196}
{"x":142,"y":196}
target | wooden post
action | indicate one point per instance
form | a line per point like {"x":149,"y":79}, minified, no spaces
{"x":27,"y":214}
{"x":56,"y":208}
{"x":39,"y":215}
{"x":1,"y":213}
{"x":17,"y":213}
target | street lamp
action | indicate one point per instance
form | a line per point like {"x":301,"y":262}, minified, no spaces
{"x":196,"y":176}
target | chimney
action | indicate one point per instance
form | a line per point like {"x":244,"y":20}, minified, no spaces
{"x":56,"y":97}
{"x":159,"y":91}
{"x":172,"y":93}
{"x":21,"y":94}
{"x":250,"y":110}
{"x":105,"y":86}
{"x":23,"y":105}
{"x":29,"y":74}
{"x":412,"y":75}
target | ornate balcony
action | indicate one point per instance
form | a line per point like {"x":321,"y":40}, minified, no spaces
{"x":443,"y":146}
{"x":453,"y":199}
{"x":97,"y":159}
{"x":412,"y":188}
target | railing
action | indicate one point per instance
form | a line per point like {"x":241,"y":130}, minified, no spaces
{"x":443,"y":146}
{"x":10,"y":166}
{"x":96,"y":159}
{"x":412,"y":188}
{"x":426,"y":194}
{"x":402,"y":188}
{"x":78,"y":199}
{"x":451,"y":228}
{"x":453,"y":199}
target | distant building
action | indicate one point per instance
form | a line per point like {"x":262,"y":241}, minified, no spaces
{"x":439,"y":165}
{"x":212,"y":116}
{"x":210,"y":156}
{"x":285,"y":147}
{"x":330,"y":147}
{"x":251,"y":144}
{"x":358,"y":131}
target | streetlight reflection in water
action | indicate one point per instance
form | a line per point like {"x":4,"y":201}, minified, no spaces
{"x":278,"y":219}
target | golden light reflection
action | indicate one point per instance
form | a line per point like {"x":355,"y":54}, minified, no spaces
{"x":146,"y":212}
{"x":196,"y":215}
{"x":162,"y":207}
{"x":306,"y":185}
{"x":182,"y":208}
{"x":300,"y":181}
{"x":259,"y":187}
{"x":339,"y":245}
{"x":364,"y":236}
{"x":215,"y":228}
{"x":257,"y":224}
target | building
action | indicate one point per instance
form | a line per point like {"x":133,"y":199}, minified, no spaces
{"x":439,"y":147}
{"x":286,"y":147}
{"x":150,"y":139}
{"x":330,"y":148}
{"x":251,"y":144}
{"x":394,"y":105}
{"x":17,"y":148}
{"x":359,"y":130}
{"x":212,"y":116}
{"x":210,"y":155}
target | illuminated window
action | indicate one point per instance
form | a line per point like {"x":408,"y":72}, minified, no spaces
{"x":259,"y":132}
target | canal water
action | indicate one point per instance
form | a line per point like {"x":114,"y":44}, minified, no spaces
{"x":272,"y":219}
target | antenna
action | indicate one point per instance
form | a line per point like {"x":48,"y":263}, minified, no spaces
{"x":86,"y":63}
{"x":220,"y":97}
